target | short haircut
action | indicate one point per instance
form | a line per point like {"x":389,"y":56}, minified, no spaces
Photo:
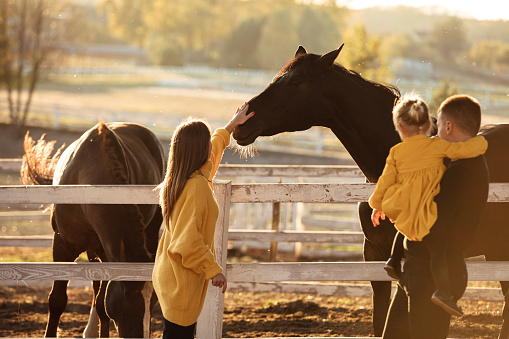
{"x":465,"y":111}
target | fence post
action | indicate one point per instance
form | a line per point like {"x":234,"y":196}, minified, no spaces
{"x":276,"y":212}
{"x":276,"y":215}
{"x":210,"y":321}
{"x":319,"y":143}
{"x":299,"y":226}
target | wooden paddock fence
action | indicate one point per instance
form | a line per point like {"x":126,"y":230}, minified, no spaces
{"x":297,"y":235}
{"x":210,"y":321}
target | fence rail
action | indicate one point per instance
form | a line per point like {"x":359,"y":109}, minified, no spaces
{"x":241,"y":193}
{"x":237,"y":272}
{"x":233,"y":234}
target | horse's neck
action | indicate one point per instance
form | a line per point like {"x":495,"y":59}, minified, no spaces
{"x":369,"y":139}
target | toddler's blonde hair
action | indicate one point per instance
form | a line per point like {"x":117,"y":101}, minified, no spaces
{"x":411,"y":112}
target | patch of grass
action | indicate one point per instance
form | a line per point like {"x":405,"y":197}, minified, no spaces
{"x":9,"y":178}
{"x":25,"y":227}
{"x":269,"y":302}
{"x":23,"y":254}
{"x":26,"y":254}
{"x":484,"y":284}
{"x":96,"y":81}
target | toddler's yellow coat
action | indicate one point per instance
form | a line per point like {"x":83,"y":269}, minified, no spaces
{"x":186,"y":258}
{"x":411,"y":180}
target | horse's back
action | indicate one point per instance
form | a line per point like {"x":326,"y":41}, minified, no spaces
{"x":109,"y":154}
{"x":497,"y":155}
{"x":144,"y":150}
{"x":138,"y":138}
{"x":493,"y":234}
{"x":138,"y":153}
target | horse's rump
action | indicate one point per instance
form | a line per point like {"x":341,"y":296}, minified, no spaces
{"x":107,"y":154}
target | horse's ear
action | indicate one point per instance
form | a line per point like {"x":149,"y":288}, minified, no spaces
{"x":301,"y":51}
{"x":328,"y":59}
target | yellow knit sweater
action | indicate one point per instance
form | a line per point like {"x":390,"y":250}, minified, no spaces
{"x":411,"y":180}
{"x":186,"y":258}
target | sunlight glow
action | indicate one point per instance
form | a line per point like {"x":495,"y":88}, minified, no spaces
{"x":485,"y":10}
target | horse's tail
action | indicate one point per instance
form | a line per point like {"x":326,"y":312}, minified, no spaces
{"x":38,"y":165}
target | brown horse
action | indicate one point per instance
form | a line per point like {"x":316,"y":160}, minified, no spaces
{"x":107,"y":154}
{"x":312,"y":90}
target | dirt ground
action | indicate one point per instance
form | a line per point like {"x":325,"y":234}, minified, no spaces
{"x":23,"y":313}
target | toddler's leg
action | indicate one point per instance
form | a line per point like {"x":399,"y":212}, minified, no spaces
{"x":393,"y":265}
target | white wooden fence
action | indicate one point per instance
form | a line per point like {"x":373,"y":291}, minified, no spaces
{"x":295,"y":235}
{"x":210,"y":321}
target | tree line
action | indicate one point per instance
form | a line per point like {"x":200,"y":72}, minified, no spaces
{"x":263,"y":33}
{"x":257,"y":34}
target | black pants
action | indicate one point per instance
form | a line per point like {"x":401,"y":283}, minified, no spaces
{"x":436,"y":242}
{"x":174,"y":331}
{"x":412,"y":314}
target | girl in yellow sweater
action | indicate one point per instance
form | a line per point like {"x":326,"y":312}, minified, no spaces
{"x":186,"y":259}
{"x":408,"y":185}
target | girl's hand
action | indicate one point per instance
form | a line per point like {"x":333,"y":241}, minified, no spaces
{"x":375,"y":217}
{"x":219,"y":281}
{"x":239,"y":118}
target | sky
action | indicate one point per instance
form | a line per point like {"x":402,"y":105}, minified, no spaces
{"x":482,"y":10}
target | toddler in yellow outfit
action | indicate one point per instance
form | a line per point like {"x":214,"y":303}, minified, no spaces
{"x":411,"y":180}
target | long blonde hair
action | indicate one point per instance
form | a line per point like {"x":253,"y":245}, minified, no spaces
{"x":188,"y":153}
{"x":411,"y":111}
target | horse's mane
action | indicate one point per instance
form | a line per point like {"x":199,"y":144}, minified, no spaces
{"x":308,"y":59}
{"x":358,"y":78}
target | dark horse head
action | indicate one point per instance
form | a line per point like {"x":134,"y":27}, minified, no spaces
{"x":312,"y":90}
{"x":107,"y":154}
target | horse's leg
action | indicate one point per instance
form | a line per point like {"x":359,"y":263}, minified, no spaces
{"x":92,"y":328}
{"x":381,"y":299}
{"x":104,"y":329}
{"x":152,"y":231}
{"x":377,"y":247}
{"x":501,"y":255}
{"x":57,"y":300}
{"x":381,"y":302}
{"x":98,"y":323}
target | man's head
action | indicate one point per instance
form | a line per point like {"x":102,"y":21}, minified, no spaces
{"x":459,"y":118}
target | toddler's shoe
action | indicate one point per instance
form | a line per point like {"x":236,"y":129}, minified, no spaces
{"x":393,"y":268}
{"x":447,"y":302}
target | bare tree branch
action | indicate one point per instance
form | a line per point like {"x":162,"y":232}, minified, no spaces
{"x":26,"y":40}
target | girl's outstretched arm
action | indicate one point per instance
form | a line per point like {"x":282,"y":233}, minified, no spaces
{"x":239,"y":118}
